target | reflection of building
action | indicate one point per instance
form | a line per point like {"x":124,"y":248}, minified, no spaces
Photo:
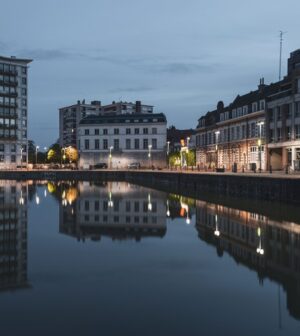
{"x":13,"y":235}
{"x":269,"y":247}
{"x":13,"y":111}
{"x":118,"y":210}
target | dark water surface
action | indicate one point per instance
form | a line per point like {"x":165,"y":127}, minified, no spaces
{"x":119,"y":259}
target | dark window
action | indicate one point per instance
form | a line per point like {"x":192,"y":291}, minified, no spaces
{"x":86,"y":144}
{"x":105,"y":143}
{"x":145,"y":143}
{"x":128,"y":131}
{"x":136,"y":131}
{"x":154,"y":143}
{"x":105,"y":131}
{"x":97,"y":131}
{"x":116,"y":144}
{"x":128,"y":143}
{"x":86,"y":132}
{"x":116,"y":131}
{"x":136,"y":144}
{"x":97,"y":144}
{"x":145,"y":130}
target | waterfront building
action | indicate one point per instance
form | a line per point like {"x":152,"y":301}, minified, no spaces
{"x":234,"y":136}
{"x":258,"y":130}
{"x":69,"y":118}
{"x":117,"y":210}
{"x":121,"y":139}
{"x":283,"y":118}
{"x":13,"y":111}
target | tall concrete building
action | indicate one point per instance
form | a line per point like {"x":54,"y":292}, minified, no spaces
{"x":69,"y":118}
{"x":13,"y":111}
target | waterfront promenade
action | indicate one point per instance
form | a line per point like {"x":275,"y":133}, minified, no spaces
{"x":255,"y":186}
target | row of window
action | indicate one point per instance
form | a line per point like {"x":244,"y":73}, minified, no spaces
{"x":277,"y":113}
{"x":129,"y":144}
{"x":116,"y":131}
{"x":252,"y":130}
{"x":12,"y":158}
{"x":116,"y":219}
{"x":11,"y":101}
{"x":11,"y":111}
{"x":288,"y":133}
{"x":12,"y":80}
{"x":11,"y":68}
{"x":129,"y":206}
{"x":241,"y":111}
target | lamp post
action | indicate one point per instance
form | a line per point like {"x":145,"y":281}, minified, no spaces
{"x":21,"y":156}
{"x":110,"y":156}
{"x":149,"y":154}
{"x":168,"y":152}
{"x":217,"y":133}
{"x":36,"y":151}
{"x":260,"y":124}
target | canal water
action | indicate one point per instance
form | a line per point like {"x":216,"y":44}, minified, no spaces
{"x":112,"y":258}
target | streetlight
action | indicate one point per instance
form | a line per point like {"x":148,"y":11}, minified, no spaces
{"x":36,"y":151}
{"x":260,"y":124}
{"x":217,"y":133}
{"x":149,"y":202}
{"x":21,"y":156}
{"x":110,"y":156}
{"x":168,"y":147}
{"x":187,"y":143}
{"x":149,"y":153}
{"x":62,"y":157}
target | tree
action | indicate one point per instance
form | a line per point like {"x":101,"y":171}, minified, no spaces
{"x":54,"y":153}
{"x":71,"y":154}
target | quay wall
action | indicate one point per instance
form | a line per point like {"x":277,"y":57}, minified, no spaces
{"x":255,"y":187}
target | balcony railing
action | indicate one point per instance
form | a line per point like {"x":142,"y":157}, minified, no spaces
{"x":8,"y":72}
{"x":9,"y":82}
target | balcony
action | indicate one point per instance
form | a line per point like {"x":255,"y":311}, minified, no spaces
{"x":9,"y":82}
{"x":8,"y":72}
{"x":8,"y":94}
{"x":14,"y":105}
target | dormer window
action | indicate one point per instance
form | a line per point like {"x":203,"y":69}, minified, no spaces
{"x":222,"y":117}
{"x":245,"y":110}
{"x":254,"y":107}
{"x":234,"y":113}
{"x":262,"y":105}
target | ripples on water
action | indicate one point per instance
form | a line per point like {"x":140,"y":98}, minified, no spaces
{"x":114,"y":258}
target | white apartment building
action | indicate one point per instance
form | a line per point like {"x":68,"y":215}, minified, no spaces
{"x":13,"y":111}
{"x":122,"y":139}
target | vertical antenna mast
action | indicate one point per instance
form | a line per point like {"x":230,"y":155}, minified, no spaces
{"x":281,"y":33}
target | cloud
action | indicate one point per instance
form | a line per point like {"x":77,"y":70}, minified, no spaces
{"x":186,"y":68}
{"x":131,"y":89}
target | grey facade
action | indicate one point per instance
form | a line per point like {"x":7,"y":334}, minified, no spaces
{"x":13,"y":111}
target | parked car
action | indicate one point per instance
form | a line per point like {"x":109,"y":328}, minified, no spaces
{"x":134,"y":165}
{"x":102,"y":165}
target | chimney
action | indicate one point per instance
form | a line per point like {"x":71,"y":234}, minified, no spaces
{"x":261,"y":84}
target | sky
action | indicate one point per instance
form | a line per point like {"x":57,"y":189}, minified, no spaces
{"x":182,"y":56}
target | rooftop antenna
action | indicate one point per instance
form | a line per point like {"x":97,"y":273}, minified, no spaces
{"x":281,"y":33}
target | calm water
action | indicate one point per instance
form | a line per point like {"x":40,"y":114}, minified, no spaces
{"x":118,"y":259}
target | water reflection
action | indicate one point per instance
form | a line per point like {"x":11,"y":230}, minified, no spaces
{"x":13,"y":235}
{"x":117,"y":210}
{"x":269,"y":247}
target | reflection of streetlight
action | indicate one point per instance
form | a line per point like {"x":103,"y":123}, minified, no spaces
{"x":149,"y":202}
{"x":110,"y":201}
{"x":185,"y":207}
{"x":217,"y":133}
{"x":216,"y":232}
{"x":45,"y":193}
{"x":37,"y":199}
{"x":110,"y":156}
{"x":260,"y":124}
{"x":259,"y":249}
{"x":21,"y":156}
{"x":168,"y":209}
{"x":21,"y":200}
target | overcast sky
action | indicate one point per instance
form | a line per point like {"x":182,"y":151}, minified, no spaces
{"x":182,"y":56}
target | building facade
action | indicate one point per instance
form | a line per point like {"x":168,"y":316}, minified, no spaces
{"x":258,"y":130}
{"x":70,"y":116}
{"x":121,"y":139}
{"x":234,"y":136}
{"x":13,"y":112}
{"x":283,"y":119}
